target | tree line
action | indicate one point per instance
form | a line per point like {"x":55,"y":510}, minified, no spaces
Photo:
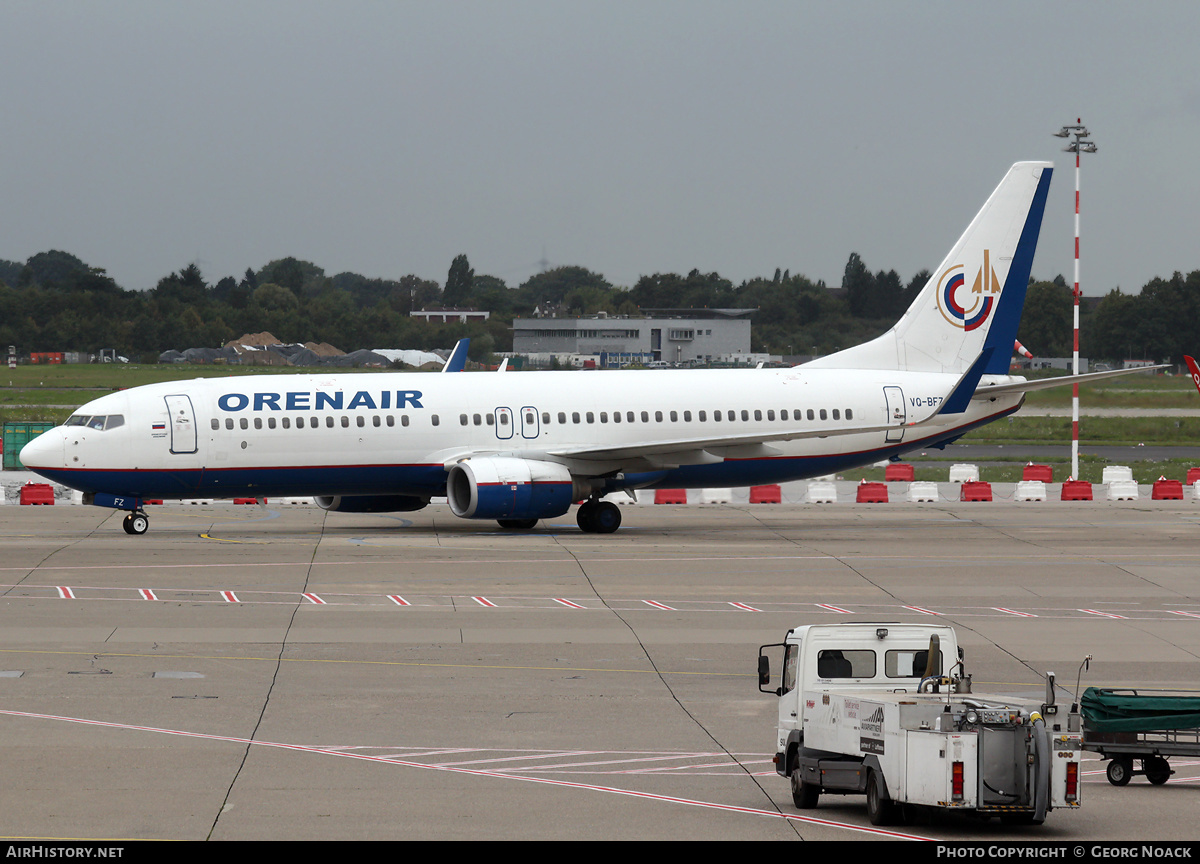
{"x":56,"y":302}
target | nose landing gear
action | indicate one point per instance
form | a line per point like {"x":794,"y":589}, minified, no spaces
{"x":136,"y":522}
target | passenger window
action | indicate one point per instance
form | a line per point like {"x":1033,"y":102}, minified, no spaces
{"x":717,"y":416}
{"x":375,"y":420}
{"x":574,"y":416}
{"x":287,"y":423}
{"x":270,"y":422}
{"x":823,"y":417}
{"x":462,"y":419}
{"x":757,"y":414}
{"x":546,"y":417}
{"x":645,"y":416}
{"x":603,"y":416}
{"x":770,"y":413}
{"x":591,"y":418}
{"x":228,"y":422}
{"x":329,"y":421}
{"x":345,"y":422}
{"x":616,"y":416}
{"x":687,"y":416}
{"x":315,"y":422}
{"x":837,"y":415}
{"x":562,"y":418}
{"x":257,"y":422}
{"x":797,"y":414}
{"x":391,"y":421}
{"x":403,"y":419}
{"x":244,"y":423}
{"x":849,"y":414}
{"x":216,"y":424}
{"x":360,"y":421}
{"x":629,"y":416}
{"x":476,"y":419}
{"x":702,"y":416}
{"x":435,"y":420}
{"x":810,"y":414}
{"x":299,"y":422}
{"x":745,"y":415}
{"x":503,"y":420}
{"x":674,"y":417}
{"x":658,"y":416}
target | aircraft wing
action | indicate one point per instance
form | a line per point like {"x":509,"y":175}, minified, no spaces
{"x":984,"y":391}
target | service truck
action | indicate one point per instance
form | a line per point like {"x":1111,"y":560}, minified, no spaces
{"x":886,"y":710}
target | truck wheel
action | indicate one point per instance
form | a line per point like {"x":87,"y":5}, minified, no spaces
{"x":879,"y":810}
{"x":1120,"y":769}
{"x":1157,"y":769}
{"x":804,"y":795}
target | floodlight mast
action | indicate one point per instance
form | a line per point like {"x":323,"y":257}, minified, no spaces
{"x":1077,"y":146}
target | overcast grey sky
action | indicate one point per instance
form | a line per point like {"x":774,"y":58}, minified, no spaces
{"x":626,"y":137}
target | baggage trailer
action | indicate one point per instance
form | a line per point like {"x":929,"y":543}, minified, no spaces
{"x":886,"y":710}
{"x":1150,"y":726}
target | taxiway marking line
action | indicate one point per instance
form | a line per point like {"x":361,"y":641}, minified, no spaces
{"x":520,"y":778}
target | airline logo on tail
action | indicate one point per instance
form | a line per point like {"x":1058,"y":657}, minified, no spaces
{"x":983,"y":297}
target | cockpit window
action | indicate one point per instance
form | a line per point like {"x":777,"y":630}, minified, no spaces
{"x":99,"y":421}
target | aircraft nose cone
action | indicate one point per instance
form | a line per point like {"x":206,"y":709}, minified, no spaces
{"x":44,"y":451}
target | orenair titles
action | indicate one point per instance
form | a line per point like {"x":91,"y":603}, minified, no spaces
{"x":316,"y":400}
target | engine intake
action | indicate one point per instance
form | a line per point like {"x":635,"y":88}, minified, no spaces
{"x":503,"y":487}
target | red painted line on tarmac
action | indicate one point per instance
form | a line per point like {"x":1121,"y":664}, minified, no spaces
{"x":520,"y":778}
{"x":1181,"y":612}
{"x":922,"y":611}
{"x":147,"y":594}
{"x":398,"y":600}
{"x":1014,"y":612}
{"x":65,"y":593}
{"x":1102,"y":614}
{"x":313,"y":598}
{"x":744,"y":606}
{"x":230,"y":597}
{"x":483,"y":601}
{"x":837,"y":609}
{"x":566,"y":602}
{"x":658,"y":605}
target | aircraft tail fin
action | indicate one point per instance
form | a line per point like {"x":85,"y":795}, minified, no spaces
{"x":973,"y":301}
{"x":457,"y":360}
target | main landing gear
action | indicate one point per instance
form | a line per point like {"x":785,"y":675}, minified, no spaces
{"x":136,"y":522}
{"x":598,"y":517}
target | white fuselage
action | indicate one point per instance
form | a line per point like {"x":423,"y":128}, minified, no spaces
{"x":398,"y":433}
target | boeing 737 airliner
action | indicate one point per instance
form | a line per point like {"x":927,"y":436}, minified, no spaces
{"x":522,"y":447}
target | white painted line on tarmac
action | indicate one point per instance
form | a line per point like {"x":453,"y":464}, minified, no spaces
{"x":565,"y":784}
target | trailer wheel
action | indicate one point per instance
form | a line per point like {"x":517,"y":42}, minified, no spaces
{"x":1157,"y":769}
{"x":879,"y":810}
{"x":804,"y":795}
{"x":1120,"y":769}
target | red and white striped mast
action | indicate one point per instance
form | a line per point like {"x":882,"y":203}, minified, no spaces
{"x":1077,"y":146}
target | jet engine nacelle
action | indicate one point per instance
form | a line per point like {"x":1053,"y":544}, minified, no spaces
{"x":504,"y":487}
{"x":370,"y":503}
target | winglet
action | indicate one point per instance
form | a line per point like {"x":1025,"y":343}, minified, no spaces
{"x":457,"y":360}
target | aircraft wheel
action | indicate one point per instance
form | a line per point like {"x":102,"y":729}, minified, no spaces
{"x":517,"y":524}
{"x":607,"y":518}
{"x":136,"y":523}
{"x":586,"y":517}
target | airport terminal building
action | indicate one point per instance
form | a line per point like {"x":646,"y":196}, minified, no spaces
{"x":676,"y":336}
